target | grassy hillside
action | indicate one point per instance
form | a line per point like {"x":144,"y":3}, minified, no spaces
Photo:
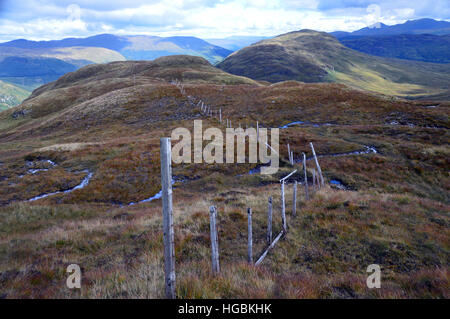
{"x":11,"y":95}
{"x":311,"y":56}
{"x":423,"y":47}
{"x":103,"y":119}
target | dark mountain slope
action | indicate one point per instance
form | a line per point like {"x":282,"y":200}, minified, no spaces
{"x":312,"y":56}
{"x":419,"y":47}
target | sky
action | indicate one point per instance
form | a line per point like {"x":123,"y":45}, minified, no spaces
{"x":57,"y":19}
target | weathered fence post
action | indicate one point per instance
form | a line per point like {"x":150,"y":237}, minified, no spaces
{"x":166,"y":182}
{"x":306,"y":177}
{"x":214,"y":240}
{"x":289,"y":153}
{"x":283,"y":207}
{"x":294,"y":200}
{"x":314,"y":179}
{"x":250,"y":236}
{"x":317,"y":164}
{"x":257,"y":131}
{"x":317,"y":180}
{"x":269,"y":221}
{"x":220,"y":116}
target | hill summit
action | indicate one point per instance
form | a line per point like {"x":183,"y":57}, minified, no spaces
{"x":311,"y":56}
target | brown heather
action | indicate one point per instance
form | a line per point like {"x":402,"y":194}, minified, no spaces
{"x":394,"y":213}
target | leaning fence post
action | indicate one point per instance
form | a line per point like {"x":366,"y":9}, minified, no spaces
{"x":306,"y":177}
{"x":214,"y":240}
{"x":294,"y":200}
{"x":250,"y":236}
{"x":317,"y":165}
{"x":166,"y":182}
{"x":269,"y":221}
{"x":283,"y":207}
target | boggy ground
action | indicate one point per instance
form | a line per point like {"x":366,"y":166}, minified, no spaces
{"x":394,"y":211}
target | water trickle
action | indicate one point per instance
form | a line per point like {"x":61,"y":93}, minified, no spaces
{"x":83,"y":184}
{"x":156,"y":196}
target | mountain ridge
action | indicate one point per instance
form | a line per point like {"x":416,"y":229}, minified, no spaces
{"x":128,"y":46}
{"x":419,"y":26}
{"x":312,"y":56}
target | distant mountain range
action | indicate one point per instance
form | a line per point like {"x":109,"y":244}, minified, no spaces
{"x":132,"y":47}
{"x":310,"y":56}
{"x":26,"y":65}
{"x":425,"y":40}
{"x":29,"y":64}
{"x":420,"y":26}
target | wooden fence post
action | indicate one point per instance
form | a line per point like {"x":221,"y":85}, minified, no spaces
{"x":220,"y":116}
{"x":314,"y":179}
{"x":289,"y":153}
{"x":317,"y":165}
{"x":294,"y":200}
{"x":306,"y":177}
{"x":283,"y":207}
{"x":257,"y":131}
{"x":166,"y":182}
{"x":317,"y":180}
{"x":269,"y":221}
{"x":250,"y":236}
{"x":214,"y":240}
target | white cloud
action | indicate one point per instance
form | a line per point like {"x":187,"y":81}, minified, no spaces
{"x":51,"y":19}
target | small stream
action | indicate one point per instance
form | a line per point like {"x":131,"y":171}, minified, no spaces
{"x":156,"y":196}
{"x":304,"y":123}
{"x":83,"y":184}
{"x":87,"y":178}
{"x":338,"y":184}
{"x":366,"y":150}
